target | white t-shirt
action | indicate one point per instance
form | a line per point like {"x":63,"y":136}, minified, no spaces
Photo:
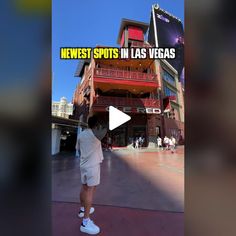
{"x":166,"y":140}
{"x":90,"y":149}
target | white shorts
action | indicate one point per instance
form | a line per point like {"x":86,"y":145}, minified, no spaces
{"x":91,"y":175}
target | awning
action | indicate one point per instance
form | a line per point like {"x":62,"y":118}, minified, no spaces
{"x":60,"y":121}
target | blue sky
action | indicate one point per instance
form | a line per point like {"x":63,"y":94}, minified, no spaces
{"x":77,"y":23}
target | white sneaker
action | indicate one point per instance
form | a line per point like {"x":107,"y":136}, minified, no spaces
{"x":81,"y":212}
{"x":89,"y":228}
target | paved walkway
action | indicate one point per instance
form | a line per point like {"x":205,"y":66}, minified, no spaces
{"x":117,"y":221}
{"x":141,"y":193}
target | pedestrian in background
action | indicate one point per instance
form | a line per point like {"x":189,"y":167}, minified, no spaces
{"x":171,"y":145}
{"x":166,"y":142}
{"x":173,"y":141}
{"x":137,"y":143}
{"x":140,"y":141}
{"x":109,"y":142}
{"x":159,"y":142}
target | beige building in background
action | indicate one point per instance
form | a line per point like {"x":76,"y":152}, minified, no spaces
{"x":62,"y":108}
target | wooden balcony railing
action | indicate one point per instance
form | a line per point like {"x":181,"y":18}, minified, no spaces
{"x":125,"y":75}
{"x":140,"y":44}
{"x":120,"y":101}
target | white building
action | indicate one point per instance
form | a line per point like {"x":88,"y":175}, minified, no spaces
{"x":62,"y":108}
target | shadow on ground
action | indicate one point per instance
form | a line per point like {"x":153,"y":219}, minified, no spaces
{"x":152,"y":181}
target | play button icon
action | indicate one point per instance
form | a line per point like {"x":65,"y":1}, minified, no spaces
{"x":117,"y":118}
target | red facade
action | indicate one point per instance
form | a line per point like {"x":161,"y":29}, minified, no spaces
{"x":122,"y":39}
{"x":135,"y":33}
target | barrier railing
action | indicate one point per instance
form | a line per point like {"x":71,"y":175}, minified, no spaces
{"x":123,"y":74}
{"x":120,"y":101}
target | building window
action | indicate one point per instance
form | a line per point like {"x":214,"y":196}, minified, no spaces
{"x":169,"y":92}
{"x":55,"y":107}
{"x":169,"y":78}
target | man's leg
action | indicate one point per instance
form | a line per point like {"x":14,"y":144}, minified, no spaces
{"x":88,"y":200}
{"x":87,"y":225}
{"x":82,"y":194}
{"x":94,"y":190}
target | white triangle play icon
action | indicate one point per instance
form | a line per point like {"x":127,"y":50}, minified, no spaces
{"x":116,"y":118}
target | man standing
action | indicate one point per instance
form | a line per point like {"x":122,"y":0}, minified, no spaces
{"x":109,"y":142}
{"x":172,"y":144}
{"x":174,"y":141}
{"x":136,"y":143}
{"x":91,"y":156}
{"x":159,"y":142}
{"x":140,"y":141}
{"x":166,"y":142}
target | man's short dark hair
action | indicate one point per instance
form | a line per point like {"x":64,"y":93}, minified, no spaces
{"x":92,"y":121}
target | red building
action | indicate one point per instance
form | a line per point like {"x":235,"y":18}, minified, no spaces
{"x":135,"y":86}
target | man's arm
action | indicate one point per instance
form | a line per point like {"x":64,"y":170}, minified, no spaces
{"x":77,"y":146}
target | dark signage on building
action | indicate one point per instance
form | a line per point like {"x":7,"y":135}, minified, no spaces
{"x":170,"y":33}
{"x":144,"y":110}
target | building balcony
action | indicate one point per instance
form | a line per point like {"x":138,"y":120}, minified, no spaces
{"x":123,"y":76}
{"x":84,"y":88}
{"x":137,"y":44}
{"x":102,"y":102}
